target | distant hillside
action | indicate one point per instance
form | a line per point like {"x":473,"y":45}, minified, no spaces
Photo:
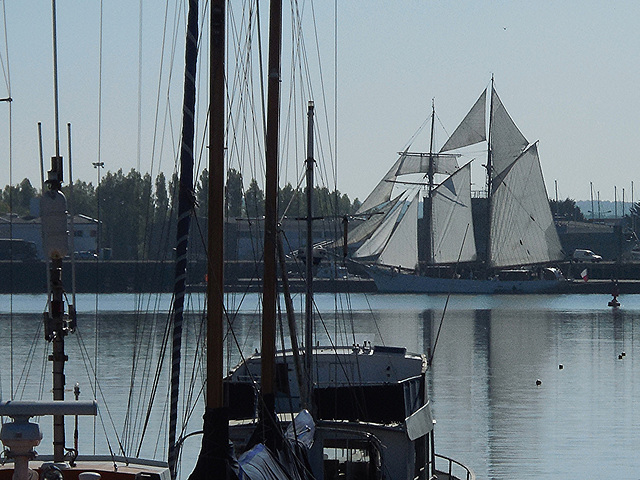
{"x":607,"y":208}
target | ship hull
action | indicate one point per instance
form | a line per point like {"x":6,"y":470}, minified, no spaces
{"x":390,"y":281}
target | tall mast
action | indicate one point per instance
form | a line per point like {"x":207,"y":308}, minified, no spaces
{"x":185,"y":207}
{"x":53,"y":206}
{"x":267,"y":411}
{"x":489,"y":182}
{"x":431,"y":167}
{"x":428,"y":206}
{"x":215,"y":437}
{"x":308,"y":330}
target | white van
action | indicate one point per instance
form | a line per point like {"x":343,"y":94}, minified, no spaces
{"x":581,"y":255}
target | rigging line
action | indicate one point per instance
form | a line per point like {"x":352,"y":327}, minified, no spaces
{"x":7,"y":76}
{"x":140,"y":336}
{"x":446,"y":303}
{"x":26,"y":368}
{"x":139,"y":140}
{"x":159,"y":85}
{"x":323,"y":96}
{"x":188,"y":403}
{"x":99,"y":164}
{"x":408,"y":144}
{"x":446,"y":133}
{"x":335,"y":89}
{"x":5,"y":62}
{"x":42,"y":373}
{"x":95,"y":389}
{"x":156,"y":381}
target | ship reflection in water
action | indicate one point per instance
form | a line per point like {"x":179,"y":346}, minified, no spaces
{"x":489,"y":354}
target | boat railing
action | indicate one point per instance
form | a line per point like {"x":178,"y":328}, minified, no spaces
{"x":453,"y":468}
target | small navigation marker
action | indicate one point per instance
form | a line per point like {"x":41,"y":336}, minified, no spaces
{"x":615,"y":291}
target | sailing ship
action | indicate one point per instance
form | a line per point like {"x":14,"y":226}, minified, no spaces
{"x":369,"y":414}
{"x":423,"y":240}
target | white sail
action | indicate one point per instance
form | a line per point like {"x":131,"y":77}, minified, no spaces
{"x":507,"y":142}
{"x":366,"y":228}
{"x":522,"y":228}
{"x":414,"y":162}
{"x":472,"y":129}
{"x":377,"y":241}
{"x":402,"y":248}
{"x":408,"y":163}
{"x":452,"y":220}
{"x":382,"y":192}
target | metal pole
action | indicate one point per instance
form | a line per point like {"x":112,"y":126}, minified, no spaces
{"x":591,"y":188}
{"x":308,"y":330}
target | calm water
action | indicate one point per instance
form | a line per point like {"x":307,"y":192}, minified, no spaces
{"x":583,"y":421}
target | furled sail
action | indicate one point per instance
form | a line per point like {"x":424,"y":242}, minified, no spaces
{"x":366,"y":228}
{"x":452,"y":220}
{"x":374,"y":245}
{"x":472,"y":129}
{"x":408,"y":163}
{"x":402,"y":248}
{"x":445,"y":163}
{"x":522,"y":228}
{"x":507,"y":142}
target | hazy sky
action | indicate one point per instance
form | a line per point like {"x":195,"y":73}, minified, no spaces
{"x":566,"y":71}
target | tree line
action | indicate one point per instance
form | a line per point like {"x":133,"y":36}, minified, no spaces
{"x":138,"y":215}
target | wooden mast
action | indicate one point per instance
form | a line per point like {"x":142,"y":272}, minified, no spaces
{"x":213,"y":454}
{"x":428,"y":207}
{"x":487,"y":261}
{"x":269,"y":297}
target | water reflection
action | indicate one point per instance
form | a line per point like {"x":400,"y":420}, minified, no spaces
{"x":582,"y":419}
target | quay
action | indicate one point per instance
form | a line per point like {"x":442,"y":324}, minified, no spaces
{"x":115,"y":276}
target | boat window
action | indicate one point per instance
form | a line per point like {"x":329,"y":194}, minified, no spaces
{"x":353,"y":459}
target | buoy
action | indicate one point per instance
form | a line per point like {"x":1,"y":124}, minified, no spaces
{"x":560,"y":367}
{"x":538,"y":382}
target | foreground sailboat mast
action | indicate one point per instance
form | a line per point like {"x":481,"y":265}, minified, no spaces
{"x":185,"y":207}
{"x":212,"y":462}
{"x":56,"y":246}
{"x":308,"y":330}
{"x":271,"y":213}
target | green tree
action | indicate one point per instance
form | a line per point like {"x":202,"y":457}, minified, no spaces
{"x":566,"y":209}
{"x":125,"y":206}
{"x":254,"y":200}
{"x":234,"y":193}
{"x":83,"y":199}
{"x":292,"y":202}
{"x":161,"y":199}
{"x":18,"y":197}
{"x":202,"y":193}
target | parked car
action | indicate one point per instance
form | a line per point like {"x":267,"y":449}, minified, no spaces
{"x":581,"y":255}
